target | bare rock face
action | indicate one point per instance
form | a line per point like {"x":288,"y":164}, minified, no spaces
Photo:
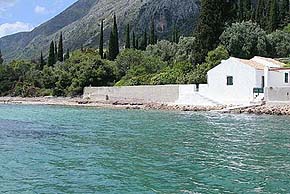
{"x":80,"y":24}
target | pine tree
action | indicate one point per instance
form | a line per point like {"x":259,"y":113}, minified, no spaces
{"x":152,"y":33}
{"x":1,"y":59}
{"x":42,"y":62}
{"x":128,"y":42}
{"x":60,"y":49}
{"x":51,"y":56}
{"x":114,"y":42}
{"x":273,"y":19}
{"x":101,"y":46}
{"x":210,"y":27}
{"x":144,"y":41}
{"x":134,"y":41}
{"x":66,"y":56}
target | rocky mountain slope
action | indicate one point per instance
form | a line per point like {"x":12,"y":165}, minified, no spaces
{"x":80,"y":24}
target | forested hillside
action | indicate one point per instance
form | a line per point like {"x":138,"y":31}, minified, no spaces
{"x":225,"y":28}
{"x":80,"y":24}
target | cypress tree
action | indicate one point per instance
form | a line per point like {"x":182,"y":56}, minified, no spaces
{"x":66,"y":56}
{"x":247,"y":9}
{"x":116,"y":35}
{"x":111,"y":55}
{"x":284,"y":12}
{"x":241,"y":11}
{"x":55,"y":52}
{"x":51,"y":56}
{"x":128,"y":42}
{"x":260,"y":13}
{"x":101,"y":46}
{"x":114,"y":41}
{"x":60,"y":49}
{"x":137,"y":43}
{"x":273,"y":16}
{"x":1,"y":59}
{"x":134,"y":41}
{"x":175,"y":36}
{"x":144,"y":41}
{"x":152,"y":33}
{"x":209,"y":28}
{"x":42,"y":62}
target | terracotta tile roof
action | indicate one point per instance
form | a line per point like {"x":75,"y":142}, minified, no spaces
{"x":258,"y":64}
{"x":251,"y":63}
{"x":272,"y":61}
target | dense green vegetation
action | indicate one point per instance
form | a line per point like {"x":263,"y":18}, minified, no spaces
{"x":226,"y":28}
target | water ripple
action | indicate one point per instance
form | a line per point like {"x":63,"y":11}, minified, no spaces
{"x":45,"y":149}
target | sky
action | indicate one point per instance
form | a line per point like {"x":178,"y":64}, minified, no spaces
{"x":24,"y":15}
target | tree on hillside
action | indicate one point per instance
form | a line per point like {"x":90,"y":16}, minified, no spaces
{"x":1,"y":59}
{"x":114,"y":41}
{"x":152,"y":33}
{"x":60,"y":48}
{"x":42,"y":62}
{"x":128,"y":42}
{"x":101,"y":45}
{"x":55,"y":52}
{"x":209,"y":28}
{"x":175,"y":36}
{"x":66,"y":56}
{"x":273,"y":18}
{"x":144,"y":41}
{"x":51,"y":56}
{"x":245,"y":40}
{"x":134,"y":41}
{"x":284,"y":12}
{"x":260,"y":13}
{"x":137,"y":43}
{"x":279,"y":43}
{"x":245,"y":10}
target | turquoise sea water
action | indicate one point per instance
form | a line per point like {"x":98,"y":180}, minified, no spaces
{"x":47,"y":149}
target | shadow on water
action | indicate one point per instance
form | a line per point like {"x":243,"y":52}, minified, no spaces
{"x":24,"y":130}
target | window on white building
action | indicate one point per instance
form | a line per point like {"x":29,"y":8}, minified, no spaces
{"x":286,"y":78}
{"x":230,"y":80}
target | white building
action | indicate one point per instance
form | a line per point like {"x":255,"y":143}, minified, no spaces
{"x":239,"y":82}
{"x":233,"y":82}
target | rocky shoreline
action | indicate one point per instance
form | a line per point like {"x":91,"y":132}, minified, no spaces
{"x":62,"y":101}
{"x":265,"y":110}
{"x":104,"y":104}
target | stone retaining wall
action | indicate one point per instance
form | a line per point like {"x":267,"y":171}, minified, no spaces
{"x":277,"y":95}
{"x":157,"y":94}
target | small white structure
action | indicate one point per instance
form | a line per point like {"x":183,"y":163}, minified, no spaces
{"x":241,"y":82}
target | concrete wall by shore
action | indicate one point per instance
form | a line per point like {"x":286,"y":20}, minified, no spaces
{"x":158,"y":94}
{"x":277,"y":95}
{"x":169,"y":94}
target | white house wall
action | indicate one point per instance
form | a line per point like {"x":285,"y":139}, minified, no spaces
{"x":277,"y":79}
{"x":244,"y":80}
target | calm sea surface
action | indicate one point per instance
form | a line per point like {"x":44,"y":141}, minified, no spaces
{"x":46,"y":149}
